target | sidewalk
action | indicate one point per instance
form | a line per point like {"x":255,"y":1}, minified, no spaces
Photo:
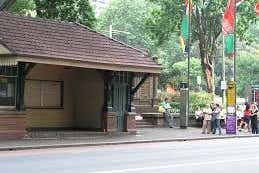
{"x":145,"y":135}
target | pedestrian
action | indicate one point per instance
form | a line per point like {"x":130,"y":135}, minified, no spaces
{"x":206,"y":127}
{"x":254,"y":122}
{"x":216,"y":115}
{"x":247,"y":114}
{"x":240,"y":117}
{"x":167,"y":113}
{"x":199,"y":116}
{"x":213,"y":119}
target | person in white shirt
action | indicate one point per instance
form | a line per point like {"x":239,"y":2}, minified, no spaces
{"x":206,"y":127}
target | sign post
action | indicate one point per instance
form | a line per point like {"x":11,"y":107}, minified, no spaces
{"x":231,"y":121}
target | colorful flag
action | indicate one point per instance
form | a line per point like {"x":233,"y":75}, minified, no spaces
{"x":257,"y":8}
{"x":228,"y":21}
{"x":182,"y":42}
{"x":228,"y":26}
{"x":229,"y":44}
{"x":184,"y":36}
{"x":187,"y":6}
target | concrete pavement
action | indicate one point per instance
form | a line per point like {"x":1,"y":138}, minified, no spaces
{"x":235,"y":155}
{"x":145,"y":135}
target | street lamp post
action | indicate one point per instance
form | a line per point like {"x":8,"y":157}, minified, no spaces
{"x":112,"y":31}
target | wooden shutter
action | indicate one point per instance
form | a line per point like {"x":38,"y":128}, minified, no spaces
{"x":32,"y":93}
{"x":51,"y":92}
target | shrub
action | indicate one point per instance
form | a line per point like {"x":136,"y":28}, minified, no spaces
{"x":200,"y":100}
{"x":197,"y":100}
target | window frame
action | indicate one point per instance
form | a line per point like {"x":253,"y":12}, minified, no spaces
{"x":42,"y":97}
{"x":15,"y":91}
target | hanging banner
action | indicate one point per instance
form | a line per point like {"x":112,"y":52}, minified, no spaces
{"x":257,"y":9}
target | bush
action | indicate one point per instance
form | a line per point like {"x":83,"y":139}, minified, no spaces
{"x":175,"y":107}
{"x":197,"y":100}
{"x":200,"y":100}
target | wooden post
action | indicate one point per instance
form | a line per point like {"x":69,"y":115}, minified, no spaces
{"x":20,"y":87}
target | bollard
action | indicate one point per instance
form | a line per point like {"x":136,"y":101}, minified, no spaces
{"x":183,"y":106}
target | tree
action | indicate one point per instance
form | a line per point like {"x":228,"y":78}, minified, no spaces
{"x":206,"y":27}
{"x":23,"y":7}
{"x":179,"y":70}
{"x":127,"y":18}
{"x":247,"y":71}
{"x":66,"y":10}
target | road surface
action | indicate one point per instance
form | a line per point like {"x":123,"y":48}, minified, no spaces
{"x":212,"y":156}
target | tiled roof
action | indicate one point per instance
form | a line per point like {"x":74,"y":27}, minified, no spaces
{"x":26,"y":36}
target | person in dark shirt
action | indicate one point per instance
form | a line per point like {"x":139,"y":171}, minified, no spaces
{"x":254,"y":122}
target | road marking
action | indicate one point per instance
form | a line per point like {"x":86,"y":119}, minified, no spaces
{"x":175,"y":165}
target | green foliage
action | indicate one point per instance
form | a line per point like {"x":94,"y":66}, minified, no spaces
{"x":168,"y":13}
{"x":247,"y":71}
{"x":79,"y":11}
{"x":66,"y":10}
{"x":206,"y":26}
{"x":127,"y":19}
{"x":178,"y":73}
{"x":23,"y":7}
{"x":200,"y":100}
{"x":197,"y":100}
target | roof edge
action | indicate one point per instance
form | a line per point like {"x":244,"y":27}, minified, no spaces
{"x":90,"y":65}
{"x":4,"y":50}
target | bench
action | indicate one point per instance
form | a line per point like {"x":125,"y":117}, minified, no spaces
{"x":155,"y":118}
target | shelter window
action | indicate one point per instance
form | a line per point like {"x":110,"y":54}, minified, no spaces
{"x":8,"y":75}
{"x":7,"y":91}
{"x":43,"y":94}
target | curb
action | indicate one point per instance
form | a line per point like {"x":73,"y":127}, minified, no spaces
{"x":14,"y":148}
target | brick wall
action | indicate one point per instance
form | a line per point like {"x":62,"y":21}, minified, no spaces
{"x":145,"y":98}
{"x":12,"y":126}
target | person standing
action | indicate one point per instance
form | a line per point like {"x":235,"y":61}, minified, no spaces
{"x":199,"y":116}
{"x":213,"y":119}
{"x":206,"y":127}
{"x":254,"y":122}
{"x":247,"y":116}
{"x":216,"y":114}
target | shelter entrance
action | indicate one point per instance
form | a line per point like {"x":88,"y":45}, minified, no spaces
{"x":121,"y":83}
{"x":120,"y":105}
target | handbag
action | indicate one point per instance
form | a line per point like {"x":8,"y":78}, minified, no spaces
{"x":161,"y":109}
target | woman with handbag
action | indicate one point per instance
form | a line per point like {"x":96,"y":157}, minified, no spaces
{"x":167,"y":112}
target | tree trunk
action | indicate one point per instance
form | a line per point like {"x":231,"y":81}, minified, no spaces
{"x":208,"y":70}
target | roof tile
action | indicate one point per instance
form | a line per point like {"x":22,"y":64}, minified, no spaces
{"x":54,"y":39}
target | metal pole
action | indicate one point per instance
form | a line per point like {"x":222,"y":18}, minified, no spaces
{"x":235,"y":44}
{"x":223,"y":70}
{"x":189,"y":53}
{"x":235,"y":60}
{"x":110,"y":30}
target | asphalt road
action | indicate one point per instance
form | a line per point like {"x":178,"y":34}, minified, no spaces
{"x":212,"y":156}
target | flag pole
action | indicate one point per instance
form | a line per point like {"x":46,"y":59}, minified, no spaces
{"x":189,"y":53}
{"x":223,"y":69}
{"x":235,"y":16}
